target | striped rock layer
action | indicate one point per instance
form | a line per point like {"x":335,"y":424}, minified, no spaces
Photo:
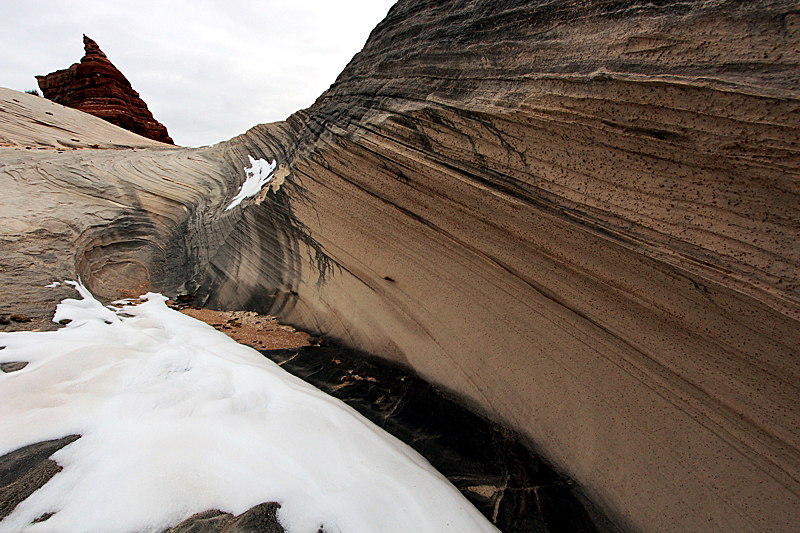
{"x":581,"y":217}
{"x":96,"y":86}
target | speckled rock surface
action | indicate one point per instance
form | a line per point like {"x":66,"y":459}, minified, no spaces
{"x":96,"y":86}
{"x":581,"y":217}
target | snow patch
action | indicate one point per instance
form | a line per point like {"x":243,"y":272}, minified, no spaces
{"x":259,"y":174}
{"x":177,"y":418}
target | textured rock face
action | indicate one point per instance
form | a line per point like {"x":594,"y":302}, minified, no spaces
{"x":24,"y":471}
{"x":580,"y":216}
{"x":78,"y":190}
{"x":95,"y":86}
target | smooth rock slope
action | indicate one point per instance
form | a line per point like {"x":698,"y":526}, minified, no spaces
{"x":580,"y":216}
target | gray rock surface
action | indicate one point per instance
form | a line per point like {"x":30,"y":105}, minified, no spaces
{"x":258,"y":519}
{"x":24,"y":471}
{"x":12,"y":366}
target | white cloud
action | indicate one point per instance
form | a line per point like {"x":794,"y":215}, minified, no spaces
{"x":208,"y":70}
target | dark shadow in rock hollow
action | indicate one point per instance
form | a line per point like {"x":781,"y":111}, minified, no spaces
{"x":489,"y":464}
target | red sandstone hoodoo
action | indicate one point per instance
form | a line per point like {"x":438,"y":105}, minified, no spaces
{"x":97,"y":87}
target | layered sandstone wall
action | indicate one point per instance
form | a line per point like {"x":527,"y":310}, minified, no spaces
{"x":82,"y":197}
{"x":581,"y":216}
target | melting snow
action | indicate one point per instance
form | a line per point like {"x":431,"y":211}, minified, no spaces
{"x":258,"y":175}
{"x":177,"y":418}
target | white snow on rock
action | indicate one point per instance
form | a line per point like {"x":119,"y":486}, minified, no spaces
{"x":259,"y":174}
{"x":177,"y":418}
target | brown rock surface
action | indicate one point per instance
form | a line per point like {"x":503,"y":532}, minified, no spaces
{"x":248,"y":327}
{"x":580,"y":216}
{"x":97,"y":87}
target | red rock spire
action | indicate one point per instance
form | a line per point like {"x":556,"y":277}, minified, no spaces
{"x":91,"y":48}
{"x":97,"y":87}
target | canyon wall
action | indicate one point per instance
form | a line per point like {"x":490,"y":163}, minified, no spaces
{"x":581,"y":217}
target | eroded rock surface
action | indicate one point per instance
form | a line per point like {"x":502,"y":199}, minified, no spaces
{"x":97,"y":87}
{"x":261,"y":518}
{"x":82,"y":197}
{"x":581,"y":217}
{"x":24,"y":471}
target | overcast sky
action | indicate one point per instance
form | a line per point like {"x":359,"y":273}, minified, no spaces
{"x":207,"y":69}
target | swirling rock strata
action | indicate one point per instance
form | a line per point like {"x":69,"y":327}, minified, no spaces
{"x":97,"y":87}
{"x":84,"y":198}
{"x":582,"y":217}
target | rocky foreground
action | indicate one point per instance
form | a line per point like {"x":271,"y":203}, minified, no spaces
{"x":581,"y":217}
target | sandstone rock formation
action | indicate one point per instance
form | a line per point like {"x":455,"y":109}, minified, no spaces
{"x":97,"y":87}
{"x":582,"y":217}
{"x":64,"y":177}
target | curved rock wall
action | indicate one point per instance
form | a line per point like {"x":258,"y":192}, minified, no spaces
{"x":581,"y":216}
{"x":82,"y":197}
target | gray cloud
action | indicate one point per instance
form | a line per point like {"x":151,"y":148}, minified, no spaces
{"x":207,"y":69}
